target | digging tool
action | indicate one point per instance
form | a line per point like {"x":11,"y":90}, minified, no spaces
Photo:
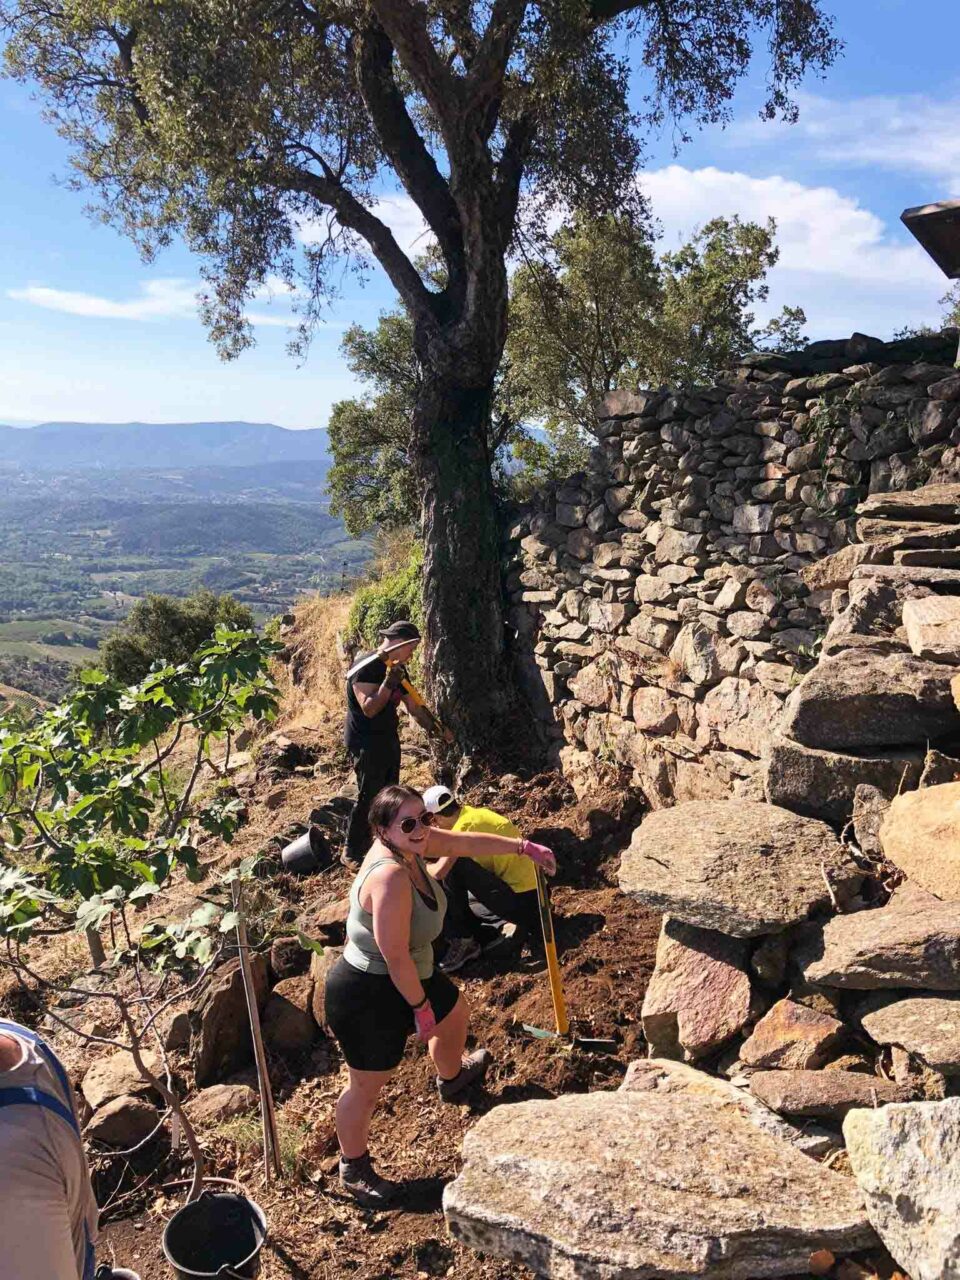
{"x":562,"y":1031}
{"x":437,"y":724}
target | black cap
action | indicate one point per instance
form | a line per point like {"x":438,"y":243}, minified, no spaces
{"x":399,"y":631}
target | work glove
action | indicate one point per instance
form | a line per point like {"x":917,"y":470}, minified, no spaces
{"x":394,"y":677}
{"x":541,"y":855}
{"x":425,"y":1020}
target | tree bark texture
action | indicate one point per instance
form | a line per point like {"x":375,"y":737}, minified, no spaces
{"x":462,"y":592}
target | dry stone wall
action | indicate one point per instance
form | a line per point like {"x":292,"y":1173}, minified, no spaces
{"x":670,"y":598}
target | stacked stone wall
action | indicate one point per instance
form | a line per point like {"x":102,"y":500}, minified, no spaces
{"x":669,"y":598}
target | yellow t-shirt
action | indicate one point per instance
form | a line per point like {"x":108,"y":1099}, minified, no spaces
{"x":519,"y":873}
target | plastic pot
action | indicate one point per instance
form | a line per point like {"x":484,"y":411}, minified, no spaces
{"x":218,"y":1237}
{"x":307,"y":853}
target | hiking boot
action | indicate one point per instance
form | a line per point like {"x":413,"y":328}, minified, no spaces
{"x":474,"y":1068}
{"x":347,"y":860}
{"x":460,"y":952}
{"x":360,"y":1180}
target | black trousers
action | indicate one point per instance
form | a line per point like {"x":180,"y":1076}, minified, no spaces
{"x":478,"y":902}
{"x":376,"y":767}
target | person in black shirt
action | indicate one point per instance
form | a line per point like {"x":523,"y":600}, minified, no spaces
{"x":371,"y":732}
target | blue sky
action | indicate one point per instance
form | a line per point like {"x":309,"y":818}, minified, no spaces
{"x":87,"y":332}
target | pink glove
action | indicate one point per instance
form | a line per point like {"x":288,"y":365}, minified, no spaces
{"x":426,"y":1022}
{"x":541,"y":855}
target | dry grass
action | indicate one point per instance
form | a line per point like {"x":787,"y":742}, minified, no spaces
{"x":311,"y":683}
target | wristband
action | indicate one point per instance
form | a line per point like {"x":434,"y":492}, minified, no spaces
{"x":415,"y":1007}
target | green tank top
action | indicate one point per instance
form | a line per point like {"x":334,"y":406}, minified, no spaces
{"x":426,"y":922}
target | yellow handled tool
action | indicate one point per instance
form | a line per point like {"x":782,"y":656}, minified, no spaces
{"x":553,"y":964}
{"x":438,"y":725}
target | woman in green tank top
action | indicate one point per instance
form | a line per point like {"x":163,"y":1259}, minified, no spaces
{"x":384,"y":987}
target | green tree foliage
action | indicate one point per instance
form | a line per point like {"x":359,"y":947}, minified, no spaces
{"x":394,"y":595}
{"x":601,"y":310}
{"x":951,"y":304}
{"x":163,"y":629}
{"x":265,"y":135}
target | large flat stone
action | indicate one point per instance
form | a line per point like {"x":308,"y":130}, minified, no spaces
{"x":222,"y":1043}
{"x":737,"y":866}
{"x":921,"y":836}
{"x":933,"y":627}
{"x":906,"y":1160}
{"x":931,"y":502}
{"x":637,"y":1186}
{"x":699,"y":996}
{"x":825,"y":1095}
{"x":859,"y":700}
{"x":925,"y":1025}
{"x":913,"y":942}
{"x":665,"y":1075}
{"x":823,"y":784}
{"x":792,"y":1037}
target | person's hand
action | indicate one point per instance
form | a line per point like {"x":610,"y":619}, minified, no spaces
{"x":541,"y":855}
{"x":425,"y":1020}
{"x":394,"y":677}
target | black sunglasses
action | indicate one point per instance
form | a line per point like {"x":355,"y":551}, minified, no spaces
{"x":409,"y":825}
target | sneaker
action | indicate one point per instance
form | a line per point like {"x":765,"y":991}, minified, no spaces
{"x":474,"y":1069}
{"x":460,"y":952}
{"x":351,"y":863}
{"x":360,"y":1180}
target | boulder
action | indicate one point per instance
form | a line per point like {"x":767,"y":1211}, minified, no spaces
{"x":654,"y":711}
{"x":221,"y":1102}
{"x":320,"y":966}
{"x":912,"y":942}
{"x":792,"y":1037}
{"x":222,"y":1043}
{"x":872,"y":616}
{"x":330,"y":922}
{"x":288,"y":959}
{"x":824,"y":784}
{"x":932,"y":625}
{"x":116,"y":1076}
{"x":857,"y":700}
{"x":737,"y":866}
{"x":699,"y":996}
{"x":906,"y":1160}
{"x":740,"y":713}
{"x":178,"y":1032}
{"x":598,"y":1186}
{"x":288,"y":1025}
{"x":921,"y":836}
{"x":826,"y":1095}
{"x":665,"y":1075}
{"x":834,"y":572}
{"x":123,"y":1122}
{"x":925,"y":1025}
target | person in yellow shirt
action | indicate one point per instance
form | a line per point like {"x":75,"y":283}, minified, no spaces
{"x":492,"y":901}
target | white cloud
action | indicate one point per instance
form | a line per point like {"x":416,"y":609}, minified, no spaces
{"x":163,"y":299}
{"x":906,"y":133}
{"x":838,"y":259}
{"x":157,"y":300}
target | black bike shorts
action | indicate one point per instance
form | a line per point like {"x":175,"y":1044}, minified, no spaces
{"x":370,"y":1018}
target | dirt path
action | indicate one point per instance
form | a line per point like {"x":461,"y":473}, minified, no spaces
{"x":606,"y":948}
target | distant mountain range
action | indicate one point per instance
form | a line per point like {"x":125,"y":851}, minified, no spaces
{"x":62,"y":446}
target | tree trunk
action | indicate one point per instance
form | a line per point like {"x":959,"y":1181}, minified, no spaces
{"x":463,"y":650}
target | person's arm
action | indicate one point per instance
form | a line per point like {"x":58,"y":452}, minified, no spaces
{"x":440,"y":867}
{"x":425,"y":718}
{"x":480,"y":844}
{"x":372,"y":697}
{"x":391,"y":896}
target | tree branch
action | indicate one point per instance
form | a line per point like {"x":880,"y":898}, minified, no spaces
{"x":484,"y":82}
{"x":406,"y":26}
{"x":404,"y":146}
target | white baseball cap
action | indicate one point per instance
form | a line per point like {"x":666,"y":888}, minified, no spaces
{"x":436,"y":799}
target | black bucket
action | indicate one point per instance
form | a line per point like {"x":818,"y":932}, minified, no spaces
{"x":218,"y":1236}
{"x":307,"y":853}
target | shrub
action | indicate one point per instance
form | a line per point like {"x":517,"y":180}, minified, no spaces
{"x":394,"y":595}
{"x":167,"y":630}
